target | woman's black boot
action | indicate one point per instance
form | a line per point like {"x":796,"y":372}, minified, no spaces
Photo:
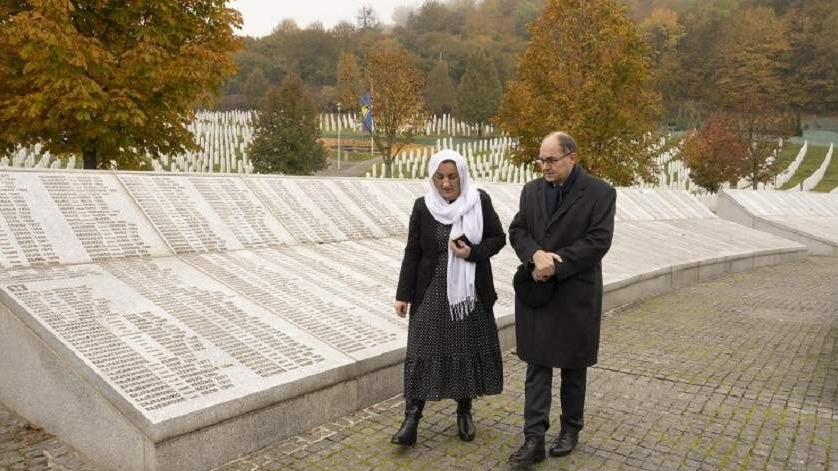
{"x":407,"y":432}
{"x":465,"y":426}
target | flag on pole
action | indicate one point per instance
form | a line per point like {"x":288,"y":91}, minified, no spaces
{"x":366,"y":111}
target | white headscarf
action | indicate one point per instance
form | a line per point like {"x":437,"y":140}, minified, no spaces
{"x":465,"y":214}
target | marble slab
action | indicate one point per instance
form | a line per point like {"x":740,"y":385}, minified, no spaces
{"x":506,"y":199}
{"x":204,"y":309}
{"x":820,"y":227}
{"x":807,"y":217}
{"x":787,"y":204}
{"x":70,"y":217}
{"x":314,"y":210}
{"x":160,"y":336}
{"x":205,"y":213}
{"x":640,"y":204}
{"x":333,"y":300}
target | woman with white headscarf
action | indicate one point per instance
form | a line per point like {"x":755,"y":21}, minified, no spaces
{"x":446,"y":280}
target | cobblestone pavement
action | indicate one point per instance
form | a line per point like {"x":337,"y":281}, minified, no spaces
{"x":736,"y":373}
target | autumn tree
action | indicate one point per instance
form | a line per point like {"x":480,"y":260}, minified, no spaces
{"x":698,"y":51}
{"x":440,"y":94}
{"x":585,"y":71}
{"x":813,"y":36}
{"x":715,"y":153}
{"x":479,"y":91}
{"x":397,"y":103}
{"x":748,"y":85}
{"x":255,"y":87}
{"x":663,"y":31}
{"x":350,"y":83}
{"x":286,"y":132}
{"x":111,"y":80}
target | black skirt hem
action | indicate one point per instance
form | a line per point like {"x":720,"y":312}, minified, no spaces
{"x":458,"y":377}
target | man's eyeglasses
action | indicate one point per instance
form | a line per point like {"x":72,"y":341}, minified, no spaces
{"x":548,"y":161}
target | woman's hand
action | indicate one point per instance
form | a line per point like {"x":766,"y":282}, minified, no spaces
{"x":460,"y":248}
{"x":401,"y":308}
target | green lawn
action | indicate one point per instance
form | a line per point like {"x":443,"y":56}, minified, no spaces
{"x":813,"y":160}
{"x":830,"y":178}
{"x":787,"y":155}
{"x":351,"y":156}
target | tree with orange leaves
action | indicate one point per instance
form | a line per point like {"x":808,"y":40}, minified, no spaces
{"x":586,"y":71}
{"x":715,"y":153}
{"x":110,"y":80}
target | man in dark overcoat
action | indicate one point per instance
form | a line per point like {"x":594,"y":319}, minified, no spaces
{"x":562,"y":231}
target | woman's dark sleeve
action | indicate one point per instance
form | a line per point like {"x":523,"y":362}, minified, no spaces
{"x":412,"y":255}
{"x":493,"y":236}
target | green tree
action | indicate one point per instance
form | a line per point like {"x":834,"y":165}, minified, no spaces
{"x":479,"y":91}
{"x":586,"y":71}
{"x":748,"y":85}
{"x":663,"y":32}
{"x":350,"y":84}
{"x":287,"y":132}
{"x":255,"y":87}
{"x":440,"y":94}
{"x":111,"y":80}
{"x":434,"y":15}
{"x":396,"y":100}
{"x":716,"y":153}
{"x":813,"y":33}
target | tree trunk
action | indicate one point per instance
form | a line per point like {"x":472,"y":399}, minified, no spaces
{"x":388,"y":168}
{"x":89,"y":154}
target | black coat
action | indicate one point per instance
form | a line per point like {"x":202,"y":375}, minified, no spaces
{"x":564,"y":333}
{"x":420,"y":254}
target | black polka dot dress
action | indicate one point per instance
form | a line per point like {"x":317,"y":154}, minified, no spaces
{"x":450,"y":359}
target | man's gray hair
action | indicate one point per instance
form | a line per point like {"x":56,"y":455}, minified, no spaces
{"x":566,"y":143}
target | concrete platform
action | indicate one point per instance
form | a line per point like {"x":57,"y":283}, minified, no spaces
{"x":806,"y":217}
{"x":174,"y":322}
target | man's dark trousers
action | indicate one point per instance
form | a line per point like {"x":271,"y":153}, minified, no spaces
{"x":538,"y":395}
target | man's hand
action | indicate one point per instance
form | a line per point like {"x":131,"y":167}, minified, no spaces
{"x":401,"y":308}
{"x":460,"y":248}
{"x":545,"y":264}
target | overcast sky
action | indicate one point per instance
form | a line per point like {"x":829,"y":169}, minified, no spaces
{"x":261,"y":16}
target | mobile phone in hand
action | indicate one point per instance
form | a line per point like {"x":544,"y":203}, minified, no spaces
{"x":461,"y":237}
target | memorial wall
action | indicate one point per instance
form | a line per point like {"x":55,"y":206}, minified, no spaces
{"x":806,"y":217}
{"x":203,"y":316}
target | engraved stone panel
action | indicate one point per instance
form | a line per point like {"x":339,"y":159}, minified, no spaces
{"x":328,"y":300}
{"x":387,"y":206}
{"x":506,"y":198}
{"x":786,"y":204}
{"x":204,"y":213}
{"x":316,"y":211}
{"x":169,"y":339}
{"x":401,"y":194}
{"x":69,"y":217}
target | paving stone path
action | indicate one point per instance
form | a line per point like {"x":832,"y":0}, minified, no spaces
{"x":736,"y":373}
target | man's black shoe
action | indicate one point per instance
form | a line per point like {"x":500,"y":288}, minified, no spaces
{"x":532,"y":451}
{"x":564,"y":444}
